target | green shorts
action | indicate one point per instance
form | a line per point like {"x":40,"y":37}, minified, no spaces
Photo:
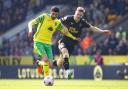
{"x":41,"y":49}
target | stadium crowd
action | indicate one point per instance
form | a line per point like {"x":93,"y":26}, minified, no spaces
{"x":98,"y":12}
{"x":13,"y":12}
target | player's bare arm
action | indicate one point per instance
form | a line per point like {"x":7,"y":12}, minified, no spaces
{"x":30,"y":24}
{"x":33,"y":22}
{"x":30,"y":29}
{"x":96,"y":29}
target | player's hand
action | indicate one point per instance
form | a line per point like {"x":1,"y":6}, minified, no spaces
{"x":107,"y":32}
{"x":78,"y":39}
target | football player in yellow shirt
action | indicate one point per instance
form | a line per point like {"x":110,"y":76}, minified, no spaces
{"x":47,"y":25}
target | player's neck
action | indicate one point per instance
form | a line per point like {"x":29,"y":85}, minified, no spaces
{"x":75,"y":19}
{"x":53,"y":18}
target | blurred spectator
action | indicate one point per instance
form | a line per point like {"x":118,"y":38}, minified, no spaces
{"x":86,"y":42}
{"x":104,"y":48}
{"x":112,"y":17}
{"x":98,"y":58}
{"x":112,"y":42}
{"x":121,"y":35}
{"x":122,"y":48}
{"x":92,"y":49}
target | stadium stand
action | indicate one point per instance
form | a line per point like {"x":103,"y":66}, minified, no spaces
{"x":98,"y":12}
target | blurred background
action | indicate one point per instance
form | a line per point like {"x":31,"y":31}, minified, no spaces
{"x":16,"y":48}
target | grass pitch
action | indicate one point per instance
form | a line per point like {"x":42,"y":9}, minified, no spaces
{"x":63,"y":84}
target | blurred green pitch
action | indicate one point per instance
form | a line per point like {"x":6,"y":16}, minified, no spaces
{"x":63,"y":84}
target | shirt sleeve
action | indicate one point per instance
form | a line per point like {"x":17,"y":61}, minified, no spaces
{"x":38,"y":20}
{"x":64,"y":20}
{"x":60,"y":27}
{"x":86,"y":24}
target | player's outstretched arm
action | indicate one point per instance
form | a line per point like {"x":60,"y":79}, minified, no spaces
{"x":96,"y":29}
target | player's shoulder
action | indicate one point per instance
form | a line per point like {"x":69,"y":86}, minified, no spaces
{"x":57,"y":21}
{"x":67,"y":17}
{"x":83,"y":20}
{"x":43,"y":15}
{"x":46,"y":15}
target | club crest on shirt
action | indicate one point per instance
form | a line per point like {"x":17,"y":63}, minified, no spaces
{"x":73,"y":30}
{"x":50,"y":29}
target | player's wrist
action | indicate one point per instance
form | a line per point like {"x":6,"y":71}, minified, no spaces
{"x":71,"y":36}
{"x":74,"y":38}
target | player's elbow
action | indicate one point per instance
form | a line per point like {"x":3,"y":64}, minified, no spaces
{"x":66,"y":33}
{"x":29,"y":23}
{"x":92,"y":28}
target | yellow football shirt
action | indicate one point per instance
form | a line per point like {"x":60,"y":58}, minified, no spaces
{"x":46,"y":28}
